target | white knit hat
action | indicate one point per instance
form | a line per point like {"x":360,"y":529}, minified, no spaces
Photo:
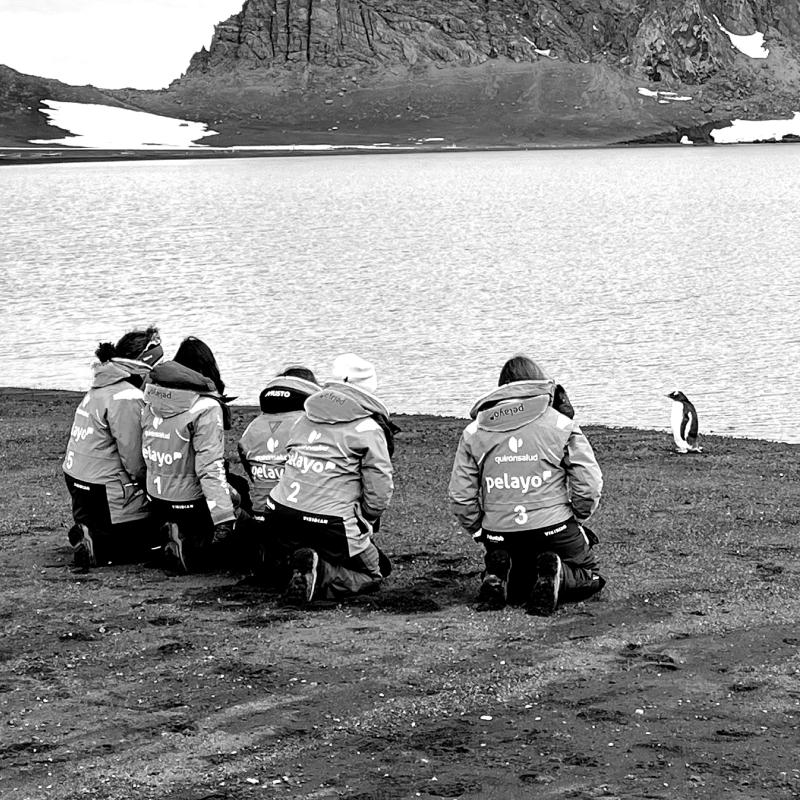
{"x":349,"y":368}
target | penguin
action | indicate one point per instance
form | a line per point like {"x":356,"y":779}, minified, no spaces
{"x":684,"y":423}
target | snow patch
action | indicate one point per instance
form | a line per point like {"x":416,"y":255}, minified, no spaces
{"x":546,"y":53}
{"x":104,"y":127}
{"x":663,"y":97}
{"x":743,"y":130}
{"x":752,"y":45}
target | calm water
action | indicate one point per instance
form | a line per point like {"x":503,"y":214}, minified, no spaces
{"x":627,"y":273}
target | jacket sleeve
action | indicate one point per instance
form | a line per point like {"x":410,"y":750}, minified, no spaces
{"x":245,"y":462}
{"x":208,"y":440}
{"x":465,"y":487}
{"x":377,"y":484}
{"x":124,"y":418}
{"x":583,"y":472}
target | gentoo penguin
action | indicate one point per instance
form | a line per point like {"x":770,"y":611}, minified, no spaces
{"x":684,"y":423}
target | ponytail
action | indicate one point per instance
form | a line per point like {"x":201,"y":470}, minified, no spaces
{"x":105,"y":352}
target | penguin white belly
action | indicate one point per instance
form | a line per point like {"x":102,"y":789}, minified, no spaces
{"x":677,"y":425}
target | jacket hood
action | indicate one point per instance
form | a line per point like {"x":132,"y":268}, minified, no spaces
{"x":286,"y":393}
{"x":176,"y":376}
{"x":515,"y":390}
{"x":107,"y":373}
{"x":342,"y":402}
{"x":174,"y":389}
{"x":513,"y":405}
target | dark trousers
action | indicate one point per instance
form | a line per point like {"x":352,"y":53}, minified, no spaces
{"x":270,"y":558}
{"x":120,"y":543}
{"x":339,"y":574}
{"x":195,"y":526}
{"x":580,"y":578}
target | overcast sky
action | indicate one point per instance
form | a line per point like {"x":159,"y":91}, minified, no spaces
{"x":110,"y":44}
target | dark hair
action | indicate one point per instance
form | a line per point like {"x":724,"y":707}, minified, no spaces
{"x":520,"y":368}
{"x":196,"y":354}
{"x":131,"y":345}
{"x":298,"y":372}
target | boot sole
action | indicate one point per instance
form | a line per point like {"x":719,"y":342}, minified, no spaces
{"x":492,"y":594}
{"x":544,"y":597}
{"x":304,"y":578}
{"x":84,"y":550}
{"x":174,"y":548}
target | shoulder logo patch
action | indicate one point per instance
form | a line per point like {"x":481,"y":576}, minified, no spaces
{"x":272,"y":444}
{"x":514,"y":444}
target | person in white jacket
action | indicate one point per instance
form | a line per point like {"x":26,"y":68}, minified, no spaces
{"x":337,"y":482}
{"x":103,"y":465}
{"x":524,"y":483}
{"x":263,"y":453}
{"x":183,"y":444}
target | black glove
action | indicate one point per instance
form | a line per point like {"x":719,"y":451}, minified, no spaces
{"x":223,"y":532}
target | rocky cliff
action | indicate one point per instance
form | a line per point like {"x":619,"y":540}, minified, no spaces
{"x":484,"y":72}
{"x":656,"y":40}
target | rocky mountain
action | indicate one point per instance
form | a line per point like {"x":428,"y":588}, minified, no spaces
{"x":485,"y":72}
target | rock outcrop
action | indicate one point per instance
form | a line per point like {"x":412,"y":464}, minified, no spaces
{"x":658,"y":41}
{"x":485,"y":72}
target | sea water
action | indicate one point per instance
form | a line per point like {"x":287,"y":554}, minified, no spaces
{"x":626,"y":273}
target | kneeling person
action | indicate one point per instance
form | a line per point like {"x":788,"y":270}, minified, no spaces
{"x":183,"y":443}
{"x":263,"y":453}
{"x":103,"y":466}
{"x":336,"y":484}
{"x":524,"y":481}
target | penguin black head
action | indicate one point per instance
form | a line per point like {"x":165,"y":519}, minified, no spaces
{"x":678,"y":397}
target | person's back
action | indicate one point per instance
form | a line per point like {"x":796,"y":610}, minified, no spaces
{"x":338,"y":461}
{"x":524,"y":481}
{"x":103,"y":464}
{"x":180,"y":411}
{"x":520,"y":440}
{"x":183,"y":443}
{"x":337,"y":482}
{"x":263,"y":447}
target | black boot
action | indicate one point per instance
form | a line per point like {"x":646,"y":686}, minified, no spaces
{"x":494,"y":588}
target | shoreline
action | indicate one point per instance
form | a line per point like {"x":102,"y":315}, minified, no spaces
{"x":16,"y":393}
{"x":10,"y":155}
{"x":64,"y":155}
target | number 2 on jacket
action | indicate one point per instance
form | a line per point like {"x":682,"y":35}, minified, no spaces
{"x":292,"y":496}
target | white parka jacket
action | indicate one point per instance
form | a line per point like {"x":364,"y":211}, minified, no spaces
{"x":521,"y":465}
{"x":183,"y":440}
{"x":263,"y":446}
{"x":339,"y":463}
{"x":105,"y":443}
